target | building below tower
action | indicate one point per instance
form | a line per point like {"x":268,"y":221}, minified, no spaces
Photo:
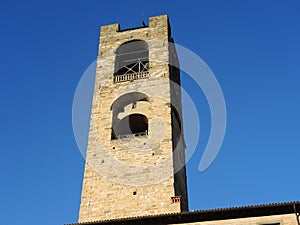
{"x":267,"y":214}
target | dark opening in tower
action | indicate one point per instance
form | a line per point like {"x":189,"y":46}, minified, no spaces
{"x":129,"y":115}
{"x":132,"y":57}
{"x":131,"y":125}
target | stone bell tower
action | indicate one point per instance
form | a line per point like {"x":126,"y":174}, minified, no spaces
{"x":135,"y":164}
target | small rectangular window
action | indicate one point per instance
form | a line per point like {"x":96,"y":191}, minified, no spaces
{"x":133,"y":105}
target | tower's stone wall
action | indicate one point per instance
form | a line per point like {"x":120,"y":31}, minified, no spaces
{"x":133,"y":176}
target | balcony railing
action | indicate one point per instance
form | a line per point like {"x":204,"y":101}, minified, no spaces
{"x":133,"y":135}
{"x":138,"y":70}
{"x":131,"y":76}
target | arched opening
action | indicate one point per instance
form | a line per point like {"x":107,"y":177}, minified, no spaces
{"x":130,"y":126}
{"x":132,"y":57}
{"x":129,"y":115}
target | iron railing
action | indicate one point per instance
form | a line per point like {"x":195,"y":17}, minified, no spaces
{"x":133,"y":135}
{"x":138,"y":70}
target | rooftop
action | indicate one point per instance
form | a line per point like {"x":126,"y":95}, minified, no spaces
{"x":207,"y":215}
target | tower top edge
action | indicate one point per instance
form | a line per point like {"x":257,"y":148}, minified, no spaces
{"x":154,"y":22}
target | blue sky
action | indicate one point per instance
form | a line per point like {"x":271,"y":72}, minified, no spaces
{"x":251,"y":46}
